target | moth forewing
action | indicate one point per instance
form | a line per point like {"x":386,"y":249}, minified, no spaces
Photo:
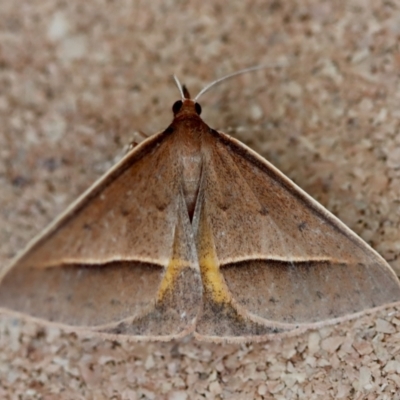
{"x":76,"y":273}
{"x":302,"y":264}
{"x":272,"y":259}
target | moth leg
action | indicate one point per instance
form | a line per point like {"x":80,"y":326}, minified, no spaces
{"x":138,"y":137}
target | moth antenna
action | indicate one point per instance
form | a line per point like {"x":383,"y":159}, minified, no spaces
{"x":180,"y":88}
{"x":224,"y":78}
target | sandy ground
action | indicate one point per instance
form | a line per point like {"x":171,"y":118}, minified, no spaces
{"x":78,"y":79}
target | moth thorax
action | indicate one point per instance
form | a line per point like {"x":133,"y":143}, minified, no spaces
{"x":191,"y":179}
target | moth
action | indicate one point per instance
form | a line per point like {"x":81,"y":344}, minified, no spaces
{"x":194,"y":232}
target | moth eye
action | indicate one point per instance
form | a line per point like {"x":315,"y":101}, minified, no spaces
{"x":177,"y":106}
{"x":197,"y":107}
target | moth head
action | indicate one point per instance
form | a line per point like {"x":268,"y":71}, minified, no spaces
{"x":186,"y":106}
{"x":189,"y":106}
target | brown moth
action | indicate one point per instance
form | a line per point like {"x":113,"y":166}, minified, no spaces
{"x":193,"y":232}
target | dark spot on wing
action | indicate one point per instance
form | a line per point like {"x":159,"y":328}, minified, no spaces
{"x":223,"y":206}
{"x":302,"y":226}
{"x":273,"y":300}
{"x":264,"y":210}
{"x":319,"y":294}
{"x":124,"y":211}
